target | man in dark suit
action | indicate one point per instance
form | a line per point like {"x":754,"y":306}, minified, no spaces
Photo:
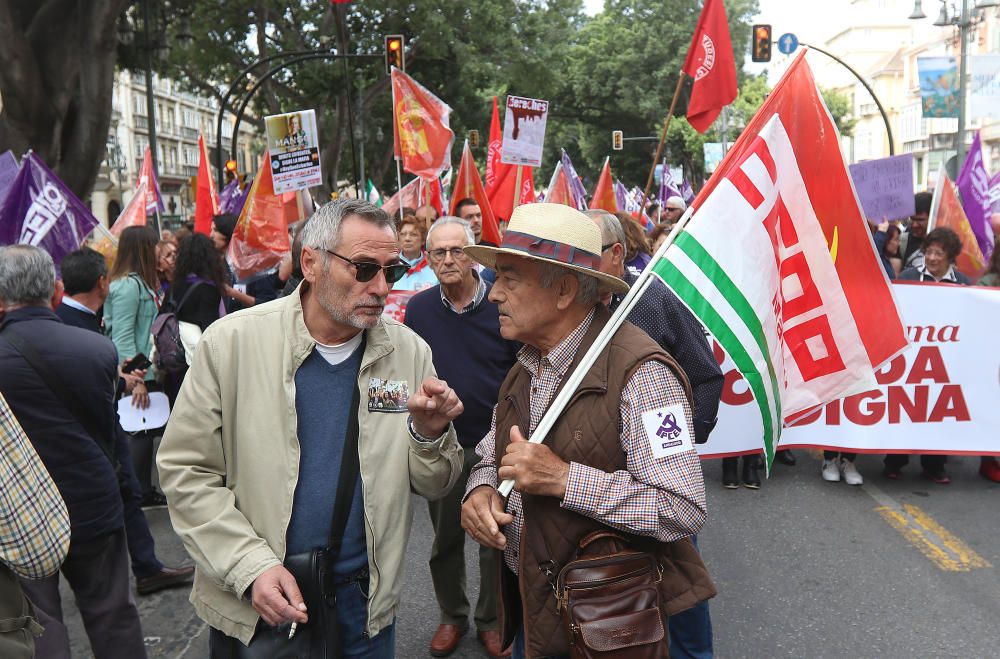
{"x":85,"y":278}
{"x":40,"y":355}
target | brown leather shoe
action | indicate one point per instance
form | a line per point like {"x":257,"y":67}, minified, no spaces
{"x":168,"y":577}
{"x":446,"y":639}
{"x":491,"y":642}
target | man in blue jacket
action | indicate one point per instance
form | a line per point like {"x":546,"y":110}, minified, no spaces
{"x":82,"y":468}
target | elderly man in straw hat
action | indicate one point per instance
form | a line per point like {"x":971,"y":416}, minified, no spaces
{"x":605,"y":463}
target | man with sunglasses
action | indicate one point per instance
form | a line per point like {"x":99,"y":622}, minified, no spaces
{"x":462,"y":327}
{"x":260,"y":446}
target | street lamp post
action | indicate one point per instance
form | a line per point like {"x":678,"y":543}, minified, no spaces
{"x":965,"y":21}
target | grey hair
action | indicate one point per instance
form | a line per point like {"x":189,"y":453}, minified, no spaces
{"x":27,"y":276}
{"x":322,"y":231}
{"x":451,"y":219}
{"x":611,"y":229}
{"x":588,"y":288}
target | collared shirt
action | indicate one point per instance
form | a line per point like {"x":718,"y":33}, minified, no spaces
{"x":34,"y":522}
{"x":70,"y":302}
{"x":925,"y":274}
{"x":477,"y":299}
{"x":663,"y":498}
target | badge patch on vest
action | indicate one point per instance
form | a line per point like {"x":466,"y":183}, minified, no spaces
{"x":667,"y":431}
{"x":388,"y":395}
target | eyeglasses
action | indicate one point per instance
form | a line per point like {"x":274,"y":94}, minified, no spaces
{"x":366,"y":271}
{"x":440,"y":254}
{"x":605,"y":248}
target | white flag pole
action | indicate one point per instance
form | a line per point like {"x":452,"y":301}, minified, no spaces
{"x":600,"y":343}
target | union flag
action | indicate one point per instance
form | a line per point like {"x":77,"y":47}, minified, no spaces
{"x":422,"y":136}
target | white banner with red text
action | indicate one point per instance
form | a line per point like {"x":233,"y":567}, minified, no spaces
{"x":940,"y":396}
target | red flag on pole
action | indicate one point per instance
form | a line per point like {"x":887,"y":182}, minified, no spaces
{"x":947,"y":211}
{"x":154,"y":200}
{"x":468,"y":184}
{"x":711,"y":64}
{"x":604,"y":193}
{"x":423,"y":137}
{"x":206,"y":201}
{"x":134,"y":214}
{"x":501,"y":178}
{"x":261,"y":235}
{"x":558,"y":192}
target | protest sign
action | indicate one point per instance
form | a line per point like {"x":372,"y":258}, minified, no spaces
{"x":524,"y":131}
{"x":885,"y":187}
{"x":984,"y":85}
{"x":939,"y":396}
{"x":293,"y":142}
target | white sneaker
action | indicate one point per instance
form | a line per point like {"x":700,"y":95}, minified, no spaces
{"x":850,"y":472}
{"x":831,"y":471}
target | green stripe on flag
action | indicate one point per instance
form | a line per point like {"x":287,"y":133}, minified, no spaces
{"x":715,"y":324}
{"x":731,"y":292}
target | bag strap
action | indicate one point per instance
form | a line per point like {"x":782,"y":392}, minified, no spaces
{"x":349,"y":468}
{"x":58,"y":387}
{"x":184,"y":298}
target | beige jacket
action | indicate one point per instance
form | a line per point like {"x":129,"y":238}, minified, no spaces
{"x":229,"y":458}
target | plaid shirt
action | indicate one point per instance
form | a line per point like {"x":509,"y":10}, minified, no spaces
{"x":34,"y":522}
{"x":663,"y":498}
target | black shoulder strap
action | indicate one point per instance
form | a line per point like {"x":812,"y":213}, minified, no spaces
{"x":187,"y":294}
{"x":348,"y":478}
{"x":59,"y":388}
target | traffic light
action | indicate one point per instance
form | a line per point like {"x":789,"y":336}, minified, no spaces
{"x":617,"y":140}
{"x":473,"y":138}
{"x":394,"y":55}
{"x":761,"y":43}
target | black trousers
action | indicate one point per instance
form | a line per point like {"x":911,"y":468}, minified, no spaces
{"x":932,"y":463}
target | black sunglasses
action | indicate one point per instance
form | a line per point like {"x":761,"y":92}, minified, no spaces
{"x":366,"y":271}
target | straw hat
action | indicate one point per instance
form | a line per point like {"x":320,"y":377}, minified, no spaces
{"x":553,"y":233}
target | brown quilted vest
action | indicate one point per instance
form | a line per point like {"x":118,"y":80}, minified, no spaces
{"x":587,"y":432}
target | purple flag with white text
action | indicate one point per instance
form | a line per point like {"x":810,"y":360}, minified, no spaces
{"x":40,"y":210}
{"x":576,"y":189}
{"x":667,"y":186}
{"x":687,"y":193}
{"x":973,"y":184}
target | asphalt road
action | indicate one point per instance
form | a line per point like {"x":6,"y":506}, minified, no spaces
{"x":804,"y":568}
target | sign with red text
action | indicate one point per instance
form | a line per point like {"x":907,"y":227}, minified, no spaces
{"x":524,"y":131}
{"x":942,"y":395}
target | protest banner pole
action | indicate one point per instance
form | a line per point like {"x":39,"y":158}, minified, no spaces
{"x":517,"y":186}
{"x":643,"y":282}
{"x":399,"y":185}
{"x":159,"y":226}
{"x":663,"y":139}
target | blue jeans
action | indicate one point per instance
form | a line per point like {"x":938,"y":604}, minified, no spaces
{"x":691,"y":630}
{"x":352,"y":615}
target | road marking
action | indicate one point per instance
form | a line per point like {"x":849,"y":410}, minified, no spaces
{"x":931,"y":539}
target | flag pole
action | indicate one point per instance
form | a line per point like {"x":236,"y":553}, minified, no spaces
{"x":517,"y":186}
{"x":663,"y":139}
{"x":644,"y":281}
{"x":399,"y":186}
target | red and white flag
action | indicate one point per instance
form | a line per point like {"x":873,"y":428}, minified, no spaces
{"x":711,"y":65}
{"x":779,"y":265}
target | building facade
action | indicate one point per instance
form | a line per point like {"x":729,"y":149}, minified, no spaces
{"x":180,"y":118}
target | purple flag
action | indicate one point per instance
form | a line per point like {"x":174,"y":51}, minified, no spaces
{"x":667,"y":187}
{"x":40,"y":210}
{"x":8,"y":171}
{"x":995,"y":192}
{"x":686,"y":192}
{"x":226,"y":196}
{"x":621,"y":196}
{"x":974,"y":188}
{"x":576,"y":189}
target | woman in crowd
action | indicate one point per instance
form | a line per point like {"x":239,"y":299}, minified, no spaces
{"x":940,"y":248}
{"x":411,"y":243}
{"x":257,"y":289}
{"x":128,"y":316}
{"x":166,"y":259}
{"x":887,"y":247}
{"x":638,"y":246}
{"x":659,"y":234}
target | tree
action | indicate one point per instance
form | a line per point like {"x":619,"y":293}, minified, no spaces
{"x":56,"y":82}
{"x":840,"y":108}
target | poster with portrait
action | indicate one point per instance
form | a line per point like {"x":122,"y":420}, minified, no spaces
{"x":293,"y":144}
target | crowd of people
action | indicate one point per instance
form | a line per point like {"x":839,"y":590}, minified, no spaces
{"x":441,"y":405}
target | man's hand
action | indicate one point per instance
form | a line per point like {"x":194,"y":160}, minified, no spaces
{"x":276,"y":597}
{"x":534,"y":467}
{"x":483,"y":515}
{"x":140,"y":396}
{"x":433,"y":407}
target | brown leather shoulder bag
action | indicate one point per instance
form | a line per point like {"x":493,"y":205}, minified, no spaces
{"x":609,"y":600}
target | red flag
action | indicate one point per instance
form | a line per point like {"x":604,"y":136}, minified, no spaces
{"x":206,"y":201}
{"x":604,"y":193}
{"x":261,"y":235}
{"x":710,"y":63}
{"x":134,"y":214}
{"x":421,"y":132}
{"x":154,"y":200}
{"x":946,"y":211}
{"x":468,"y":184}
{"x":501,"y":177}
{"x":494,"y":167}
{"x":407,"y":196}
{"x":558,"y":192}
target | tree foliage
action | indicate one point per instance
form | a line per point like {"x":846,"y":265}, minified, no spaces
{"x":841,"y":110}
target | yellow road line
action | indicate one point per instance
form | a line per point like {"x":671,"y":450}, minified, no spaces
{"x":931,"y":539}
